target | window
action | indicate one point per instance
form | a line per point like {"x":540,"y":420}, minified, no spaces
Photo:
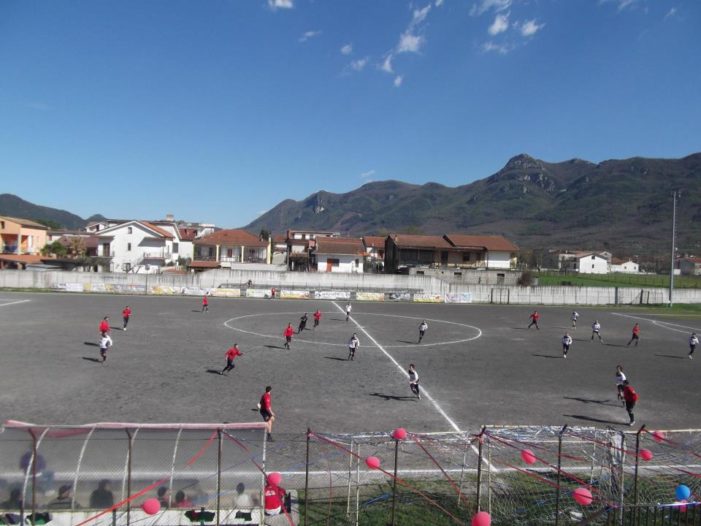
{"x":128,"y":247}
{"x":175,"y":248}
{"x":2,"y":224}
{"x":129,"y":230}
{"x":465,"y":256}
{"x":592,"y":265}
{"x":230,"y":252}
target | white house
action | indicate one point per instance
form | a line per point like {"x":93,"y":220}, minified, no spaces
{"x":224,"y":247}
{"x":339,"y":254}
{"x":628,"y":267}
{"x":492,"y":252}
{"x":591,"y":264}
{"x":137,"y":246}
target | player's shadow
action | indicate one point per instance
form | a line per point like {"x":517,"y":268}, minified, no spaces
{"x":599,"y":420}
{"x":115,"y":328}
{"x":196,"y":310}
{"x":672,"y":356}
{"x":520,"y":328}
{"x":213,"y":371}
{"x":393,"y":397}
{"x":91,"y":359}
{"x":592,"y":401}
{"x":336,"y":358}
{"x":407,"y":341}
{"x":275,"y":347}
{"x":614,"y":345}
{"x":91,"y":344}
{"x":547,"y":356}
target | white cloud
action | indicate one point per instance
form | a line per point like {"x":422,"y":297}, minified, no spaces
{"x":420,"y":15}
{"x":367,"y":174}
{"x":387,"y":64}
{"x":438,"y":3}
{"x":530,"y":28}
{"x":672,"y":12}
{"x":482,"y":6}
{"x":280,"y":4}
{"x":410,"y":43}
{"x":347,"y":49}
{"x":398,"y":81}
{"x":621,"y":4}
{"x":309,"y":34}
{"x":359,"y":65}
{"x":500,"y":24}
{"x":502,"y":49}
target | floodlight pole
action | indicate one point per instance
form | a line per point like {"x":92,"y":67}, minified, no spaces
{"x":674,"y":232}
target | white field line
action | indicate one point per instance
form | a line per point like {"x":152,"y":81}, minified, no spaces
{"x":663,"y":324}
{"x":13,"y":303}
{"x":450,"y":421}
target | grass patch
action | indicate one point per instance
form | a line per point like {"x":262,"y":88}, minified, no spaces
{"x":556,"y":279}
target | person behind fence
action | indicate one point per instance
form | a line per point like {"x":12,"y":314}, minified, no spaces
{"x":14,"y":502}
{"x":242,"y":499}
{"x":277,"y":499}
{"x":102,"y":496}
{"x":163,"y":497}
{"x":181,"y":500}
{"x":64,"y":499}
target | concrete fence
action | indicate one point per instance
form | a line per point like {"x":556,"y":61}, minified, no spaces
{"x":235,"y":283}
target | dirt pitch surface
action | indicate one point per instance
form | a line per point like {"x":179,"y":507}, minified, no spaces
{"x":478,"y":364}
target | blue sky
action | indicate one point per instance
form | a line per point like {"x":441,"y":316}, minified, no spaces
{"x":216,"y":111}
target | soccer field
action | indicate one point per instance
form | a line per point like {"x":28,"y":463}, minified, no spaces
{"x":478,"y":364}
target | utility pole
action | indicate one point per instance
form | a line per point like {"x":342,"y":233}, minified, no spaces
{"x":674,"y":242}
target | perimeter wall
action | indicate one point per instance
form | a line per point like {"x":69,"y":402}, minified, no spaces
{"x":357,"y":287}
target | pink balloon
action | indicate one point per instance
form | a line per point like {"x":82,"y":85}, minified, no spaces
{"x":482,"y":518}
{"x":527,"y":456}
{"x":399,"y":433}
{"x":274,"y":478}
{"x":646,"y":454}
{"x":582,"y":496}
{"x":659,"y":436}
{"x":682,"y":505}
{"x":151,"y":506}
{"x":373,"y":462}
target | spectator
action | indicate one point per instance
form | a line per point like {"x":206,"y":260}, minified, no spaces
{"x":181,"y":500}
{"x":64,"y":500}
{"x":163,"y":497}
{"x":242,"y":499}
{"x":15,"y":500}
{"x":102,"y":496}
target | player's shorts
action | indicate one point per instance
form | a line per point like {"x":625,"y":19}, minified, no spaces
{"x":265,"y":414}
{"x":288,"y":339}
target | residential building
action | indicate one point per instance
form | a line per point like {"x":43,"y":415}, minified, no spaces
{"x":625,"y":266}
{"x":339,"y":254}
{"x":591,"y":263}
{"x":137,"y":246}
{"x":21,"y":236}
{"x":300,"y":245}
{"x":223,"y":248}
{"x":690,"y":266}
{"x":403,"y":251}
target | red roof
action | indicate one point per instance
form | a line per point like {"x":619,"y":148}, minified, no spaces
{"x":157,"y":229}
{"x":339,"y":245}
{"x":374,"y":241}
{"x":232,"y":237}
{"x":187,"y":234}
{"x":414,"y":241}
{"x":493,"y":243}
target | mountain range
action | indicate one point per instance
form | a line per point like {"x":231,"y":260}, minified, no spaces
{"x":11,"y":205}
{"x":624,"y":206}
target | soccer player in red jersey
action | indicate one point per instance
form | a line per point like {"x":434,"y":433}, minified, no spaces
{"x":289,"y":331}
{"x":105,"y":326}
{"x":266,"y":411}
{"x":534,"y":319}
{"x":636,"y":335}
{"x":205,"y":304}
{"x":230,"y":355}
{"x":317,"y":317}
{"x":126,"y":314}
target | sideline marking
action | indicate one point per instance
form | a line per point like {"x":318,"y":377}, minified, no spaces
{"x":662,"y":324}
{"x":13,"y":303}
{"x":406,"y":375}
{"x":330,"y":344}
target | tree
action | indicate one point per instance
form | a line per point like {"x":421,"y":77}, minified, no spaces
{"x":57,"y":248}
{"x":264,"y":234}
